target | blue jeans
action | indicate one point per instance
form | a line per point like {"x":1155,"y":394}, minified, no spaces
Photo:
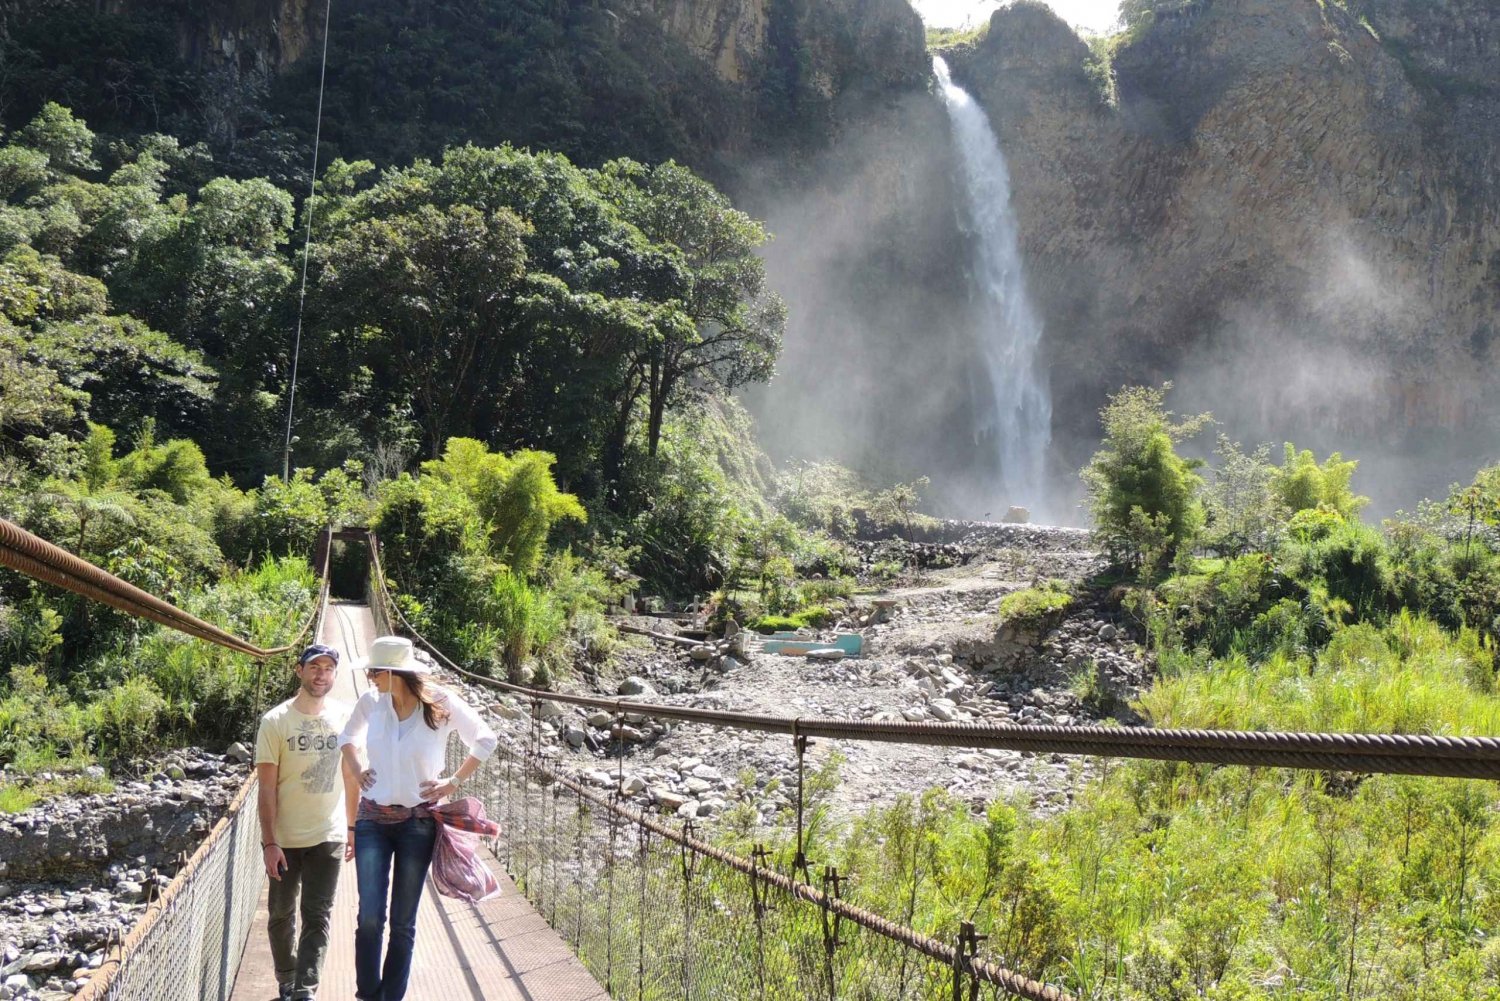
{"x":409,"y":843}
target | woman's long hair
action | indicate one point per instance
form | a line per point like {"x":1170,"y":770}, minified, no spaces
{"x":433,"y":714}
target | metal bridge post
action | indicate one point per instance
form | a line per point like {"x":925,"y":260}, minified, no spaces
{"x":578,"y":872}
{"x":530,"y":778}
{"x":963,"y":961}
{"x":758,"y":895}
{"x":689,"y":863}
{"x":801,"y":743}
{"x":549,"y":872}
{"x":609,"y":884}
{"x":640,"y":922}
{"x":831,"y":885}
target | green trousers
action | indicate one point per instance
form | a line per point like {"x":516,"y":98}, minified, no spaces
{"x":313,"y":875}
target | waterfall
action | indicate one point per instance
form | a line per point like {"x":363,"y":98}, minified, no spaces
{"x":1009,"y":330}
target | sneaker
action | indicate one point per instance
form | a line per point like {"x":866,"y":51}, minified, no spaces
{"x":284,"y":992}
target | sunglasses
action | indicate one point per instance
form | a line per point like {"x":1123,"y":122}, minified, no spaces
{"x":371,"y":672}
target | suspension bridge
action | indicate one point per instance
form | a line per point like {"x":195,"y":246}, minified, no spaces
{"x":602,"y":900}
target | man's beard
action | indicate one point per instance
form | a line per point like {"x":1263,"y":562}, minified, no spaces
{"x":307,"y":689}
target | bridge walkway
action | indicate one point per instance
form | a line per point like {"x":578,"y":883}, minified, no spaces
{"x":499,"y":950}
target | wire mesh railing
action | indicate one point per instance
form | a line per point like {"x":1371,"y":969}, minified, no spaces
{"x":189,"y":942}
{"x":657,"y":913}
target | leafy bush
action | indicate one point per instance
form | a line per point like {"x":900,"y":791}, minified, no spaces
{"x":126,"y":720}
{"x":1143,"y":496}
{"x":1348,"y":566}
{"x":464,"y":539}
{"x":777,"y":624}
{"x":822,"y":497}
{"x":1302,"y":485}
{"x":1244,"y":511}
{"x":808,"y":617}
{"x":1213,"y":606}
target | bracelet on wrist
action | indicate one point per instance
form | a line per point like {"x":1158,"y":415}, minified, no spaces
{"x":268,"y":844}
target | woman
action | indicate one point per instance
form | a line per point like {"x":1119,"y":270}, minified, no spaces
{"x":404,"y":723}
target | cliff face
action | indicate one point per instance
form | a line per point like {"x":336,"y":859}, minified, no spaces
{"x":847,"y":43}
{"x":720,"y":76}
{"x":1291,"y":207}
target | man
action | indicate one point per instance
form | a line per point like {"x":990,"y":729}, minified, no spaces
{"x":307,"y":809}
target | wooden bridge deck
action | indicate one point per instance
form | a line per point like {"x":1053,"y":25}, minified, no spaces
{"x":501,"y":949}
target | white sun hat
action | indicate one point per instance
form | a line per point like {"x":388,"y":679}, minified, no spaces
{"x":392,"y":653}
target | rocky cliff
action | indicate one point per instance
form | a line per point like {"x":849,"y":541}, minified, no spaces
{"x":1290,"y":206}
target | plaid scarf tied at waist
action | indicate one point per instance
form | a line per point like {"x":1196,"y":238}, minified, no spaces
{"x":457,"y":869}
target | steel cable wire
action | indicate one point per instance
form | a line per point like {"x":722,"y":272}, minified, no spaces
{"x":26,"y":553}
{"x":1376,"y":753}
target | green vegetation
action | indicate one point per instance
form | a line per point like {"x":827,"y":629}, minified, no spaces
{"x":1143,"y":496}
{"x":1279,"y":610}
{"x":1177,"y":881}
{"x":1034,"y":604}
{"x":138,"y":687}
{"x":560,"y":343}
{"x":947,"y":38}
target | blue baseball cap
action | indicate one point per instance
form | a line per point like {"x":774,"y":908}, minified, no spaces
{"x":318,"y":650}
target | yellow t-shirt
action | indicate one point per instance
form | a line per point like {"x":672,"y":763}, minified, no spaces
{"x":309,"y":781}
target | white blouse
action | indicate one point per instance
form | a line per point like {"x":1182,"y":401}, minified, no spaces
{"x":403,"y":757}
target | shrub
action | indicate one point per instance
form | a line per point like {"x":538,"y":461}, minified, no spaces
{"x":1244,"y":511}
{"x":1301,"y":484}
{"x":822,"y":497}
{"x":1142,"y":494}
{"x":1349,"y":565}
{"x":1212,"y":608}
{"x":126,"y":719}
{"x":777,"y":624}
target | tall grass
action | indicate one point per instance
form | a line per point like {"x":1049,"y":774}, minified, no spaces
{"x":1169,"y":882}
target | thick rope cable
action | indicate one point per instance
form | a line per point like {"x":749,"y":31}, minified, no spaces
{"x":312,"y":193}
{"x":1379,"y":753}
{"x":28,"y":554}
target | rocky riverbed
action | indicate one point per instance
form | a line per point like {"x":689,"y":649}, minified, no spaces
{"x":75,"y":873}
{"x":940,"y":654}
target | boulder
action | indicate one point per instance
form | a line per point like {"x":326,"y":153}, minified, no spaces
{"x":636,"y":687}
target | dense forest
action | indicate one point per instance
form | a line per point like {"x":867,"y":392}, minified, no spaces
{"x":541,"y":333}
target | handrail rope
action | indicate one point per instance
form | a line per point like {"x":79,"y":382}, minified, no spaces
{"x":27,"y":553}
{"x":1377,"y":753}
{"x":988,"y":972}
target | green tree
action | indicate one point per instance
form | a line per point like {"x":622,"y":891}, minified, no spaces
{"x":1143,"y":495}
{"x":67,"y":142}
{"x":1244,"y":510}
{"x":96,"y":495}
{"x":898,"y":504}
{"x":737,"y":322}
{"x":430,"y":289}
